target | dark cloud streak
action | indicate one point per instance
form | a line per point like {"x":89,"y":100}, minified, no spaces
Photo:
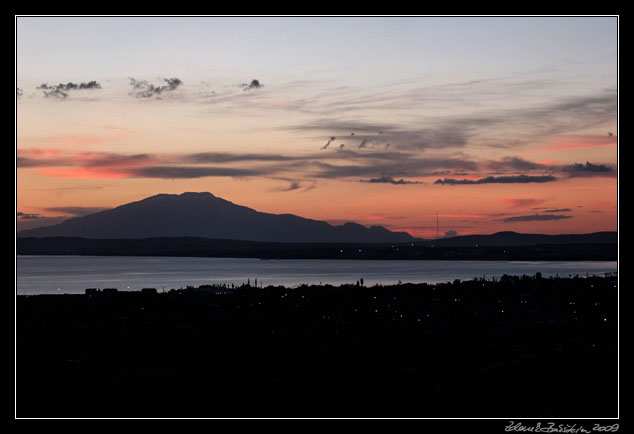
{"x":87,"y":159}
{"x":388,"y":180}
{"x":515,"y":163}
{"x":558,"y":210}
{"x":535,"y":217}
{"x":587,"y":170}
{"x":189,"y":172}
{"x":522,"y":179}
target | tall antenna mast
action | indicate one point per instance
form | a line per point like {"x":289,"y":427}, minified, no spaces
{"x":436,"y":225}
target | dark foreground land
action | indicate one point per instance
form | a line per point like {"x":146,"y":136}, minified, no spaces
{"x":517,"y":348}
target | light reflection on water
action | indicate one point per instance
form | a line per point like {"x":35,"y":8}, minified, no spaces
{"x":73,"y":274}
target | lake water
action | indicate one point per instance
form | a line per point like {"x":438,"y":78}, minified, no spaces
{"x":73,"y":274}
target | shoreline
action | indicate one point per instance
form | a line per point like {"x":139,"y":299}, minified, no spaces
{"x":200,"y":247}
{"x":72,"y":274}
{"x":504,"y":279}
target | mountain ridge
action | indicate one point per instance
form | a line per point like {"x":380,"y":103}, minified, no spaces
{"x":511,"y":238}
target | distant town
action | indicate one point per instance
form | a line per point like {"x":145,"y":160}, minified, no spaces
{"x":518,"y":346}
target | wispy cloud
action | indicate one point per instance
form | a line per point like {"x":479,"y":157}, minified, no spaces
{"x":82,"y":164}
{"x":190,"y":172}
{"x":24,"y":216}
{"x":521,"y":203}
{"x":78,"y":139}
{"x":294,"y":185}
{"x":361,"y":134}
{"x":576,"y":170}
{"x":30,"y":221}
{"x":60,"y":91}
{"x":566,"y":115}
{"x":479,"y":121}
{"x":255,"y":84}
{"x":27,"y":158}
{"x":578,"y":141}
{"x":143,"y":89}
{"x":229,"y":157}
{"x":366,"y":165}
{"x":76,"y":211}
{"x":387,"y":165}
{"x":330,"y":140}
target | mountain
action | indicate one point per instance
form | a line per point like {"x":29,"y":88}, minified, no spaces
{"x":207,"y":216}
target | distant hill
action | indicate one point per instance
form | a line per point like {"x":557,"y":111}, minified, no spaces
{"x":516,"y":239}
{"x":207,"y":216}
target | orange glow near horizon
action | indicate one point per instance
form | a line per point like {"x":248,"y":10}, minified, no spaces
{"x":582,"y":142}
{"x":465,"y":209}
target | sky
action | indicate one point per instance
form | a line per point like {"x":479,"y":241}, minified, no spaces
{"x":491,"y":123}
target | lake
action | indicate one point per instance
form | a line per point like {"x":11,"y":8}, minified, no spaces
{"x":73,"y":274}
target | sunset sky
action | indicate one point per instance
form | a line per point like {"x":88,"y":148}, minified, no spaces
{"x":494,"y":123}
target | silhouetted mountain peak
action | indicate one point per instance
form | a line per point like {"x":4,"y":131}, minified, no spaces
{"x":378,"y":229}
{"x":187,"y":196}
{"x":201,"y":214}
{"x":353,"y":225}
